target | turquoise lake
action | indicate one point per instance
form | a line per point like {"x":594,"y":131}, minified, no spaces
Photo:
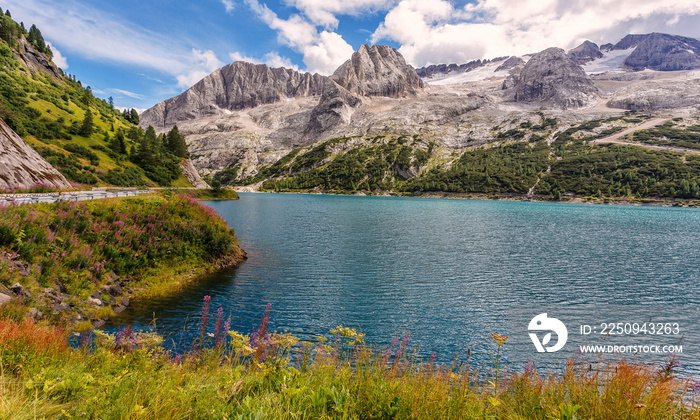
{"x":450,"y":272}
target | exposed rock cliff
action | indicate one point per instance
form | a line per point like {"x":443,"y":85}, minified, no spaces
{"x":335,"y":108}
{"x":21,"y":166}
{"x":588,"y":51}
{"x":511,"y":63}
{"x":551,"y":77}
{"x":190,"y":172}
{"x":235,"y":86}
{"x":36,"y":61}
{"x":378,"y":70}
{"x":664,"y":53}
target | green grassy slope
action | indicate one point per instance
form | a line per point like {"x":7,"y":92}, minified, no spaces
{"x":84,"y":137}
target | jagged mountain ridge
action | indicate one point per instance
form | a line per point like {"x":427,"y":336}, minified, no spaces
{"x":235,"y":86}
{"x":377,"y":99}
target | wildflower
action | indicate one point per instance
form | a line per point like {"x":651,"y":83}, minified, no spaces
{"x":694,"y":386}
{"x":499,"y":339}
{"x":530,"y":367}
{"x":285,"y":341}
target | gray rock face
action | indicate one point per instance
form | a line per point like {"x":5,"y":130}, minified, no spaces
{"x":629,"y":41}
{"x":190,"y":172}
{"x":22,"y":167}
{"x":588,"y":51}
{"x":664,"y":53}
{"x":511,"y":63}
{"x":511,"y":81}
{"x":378,"y":70}
{"x":335,"y":108}
{"x":233,"y":87}
{"x":37,"y":61}
{"x":551,"y":77}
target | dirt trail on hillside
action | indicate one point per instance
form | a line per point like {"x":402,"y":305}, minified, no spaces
{"x":616,"y":138}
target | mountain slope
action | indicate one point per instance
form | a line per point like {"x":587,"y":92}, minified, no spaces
{"x":85,"y":138}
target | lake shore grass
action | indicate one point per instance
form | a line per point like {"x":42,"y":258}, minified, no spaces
{"x":211,"y":194}
{"x":266,"y":375}
{"x":84,"y":262}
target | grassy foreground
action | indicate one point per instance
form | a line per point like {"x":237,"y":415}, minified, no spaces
{"x":147,"y":246}
{"x":266,"y":375}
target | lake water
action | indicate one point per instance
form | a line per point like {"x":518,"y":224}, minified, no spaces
{"x":450,"y":272}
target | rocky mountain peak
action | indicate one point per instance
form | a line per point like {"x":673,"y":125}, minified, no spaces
{"x":588,"y":51}
{"x":377,"y":70}
{"x":233,"y":87}
{"x":664,"y":52}
{"x":550,"y":76}
{"x":511,"y":63}
{"x":629,"y":41}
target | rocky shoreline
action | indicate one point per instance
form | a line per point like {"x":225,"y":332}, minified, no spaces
{"x":113,"y":297}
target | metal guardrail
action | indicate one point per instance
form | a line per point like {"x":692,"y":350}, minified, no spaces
{"x":67,"y":196}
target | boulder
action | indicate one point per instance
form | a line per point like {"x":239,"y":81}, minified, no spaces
{"x":20,"y":291}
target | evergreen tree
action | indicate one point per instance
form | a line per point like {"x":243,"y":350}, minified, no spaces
{"x":176,"y":143}
{"x":7,"y":13}
{"x":122,"y":141}
{"x":87,"y":127}
{"x":146,"y":155}
{"x":111,"y":102}
{"x":134,"y":117}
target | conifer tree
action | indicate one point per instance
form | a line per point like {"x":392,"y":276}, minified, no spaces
{"x":87,"y":127}
{"x":176,"y":143}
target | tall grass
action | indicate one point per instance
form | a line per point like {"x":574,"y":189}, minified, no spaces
{"x":79,"y":243}
{"x":270,"y":375}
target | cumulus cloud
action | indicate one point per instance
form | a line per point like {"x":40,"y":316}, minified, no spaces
{"x":272,"y":59}
{"x":205,"y":62}
{"x":435,"y":31}
{"x":58,"y":59}
{"x":322,"y":52}
{"x":229,"y":5}
{"x":324,"y":12}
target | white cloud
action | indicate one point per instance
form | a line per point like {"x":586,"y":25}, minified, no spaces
{"x":435,"y":31}
{"x":272,"y":59}
{"x":229,"y":5}
{"x":324,"y":12}
{"x":327,"y":54}
{"x":205,"y":62}
{"x":323,"y":52}
{"x":58,"y":59}
{"x":93,"y":34}
{"x":126,"y":93}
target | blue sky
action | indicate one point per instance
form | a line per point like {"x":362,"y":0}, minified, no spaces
{"x":142,"y":52}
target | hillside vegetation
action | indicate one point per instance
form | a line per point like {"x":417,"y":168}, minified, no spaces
{"x":86,"y":138}
{"x":83,"y":249}
{"x":543,"y":158}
